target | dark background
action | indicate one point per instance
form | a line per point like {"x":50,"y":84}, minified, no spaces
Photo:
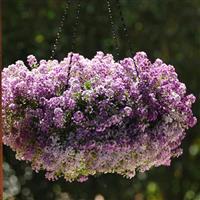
{"x":168,"y":29}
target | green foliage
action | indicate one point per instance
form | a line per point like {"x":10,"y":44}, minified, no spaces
{"x":87,"y":85}
{"x":166,"y":29}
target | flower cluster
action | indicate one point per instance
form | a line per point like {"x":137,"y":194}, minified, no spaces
{"x":102,"y":117}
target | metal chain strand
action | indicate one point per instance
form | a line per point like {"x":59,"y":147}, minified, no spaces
{"x":125,"y":29}
{"x":126,"y":32}
{"x":114,"y":33}
{"x":69,"y":69}
{"x":60,"y":29}
{"x":74,"y":36}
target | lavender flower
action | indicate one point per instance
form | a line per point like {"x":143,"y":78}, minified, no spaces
{"x":78,"y":117}
{"x":58,"y":117}
{"x":105,"y":119}
{"x":31,"y":60}
{"x":128,"y":111}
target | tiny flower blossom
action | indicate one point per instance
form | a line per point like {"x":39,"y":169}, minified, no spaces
{"x":128,"y":111}
{"x":58,"y":117}
{"x":78,"y":117}
{"x":31,"y":60}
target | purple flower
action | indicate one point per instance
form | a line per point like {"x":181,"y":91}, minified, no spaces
{"x":78,"y":117}
{"x":31,"y":60}
{"x":128,"y":111}
{"x":103,"y":119}
{"x":58,"y":117}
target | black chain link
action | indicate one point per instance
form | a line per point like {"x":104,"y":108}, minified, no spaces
{"x":114,"y":32}
{"x":125,"y":29}
{"x":126,"y":32}
{"x":60,"y":29}
{"x":74,"y":36}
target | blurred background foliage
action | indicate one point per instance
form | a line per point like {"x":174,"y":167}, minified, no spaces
{"x":168,"y":29}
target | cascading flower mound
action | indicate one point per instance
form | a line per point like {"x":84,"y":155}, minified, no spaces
{"x":102,"y":117}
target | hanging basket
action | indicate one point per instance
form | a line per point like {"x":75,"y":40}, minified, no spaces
{"x":102,"y":118}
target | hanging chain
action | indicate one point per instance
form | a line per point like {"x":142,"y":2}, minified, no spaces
{"x":74,"y":36}
{"x":114,"y":33}
{"x":74,"y":33}
{"x":125,"y":29}
{"x":126,"y":32}
{"x":60,"y":29}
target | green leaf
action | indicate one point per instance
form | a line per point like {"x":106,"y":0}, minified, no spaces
{"x":87,"y":85}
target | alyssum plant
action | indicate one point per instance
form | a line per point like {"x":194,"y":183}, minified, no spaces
{"x":80,"y":117}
